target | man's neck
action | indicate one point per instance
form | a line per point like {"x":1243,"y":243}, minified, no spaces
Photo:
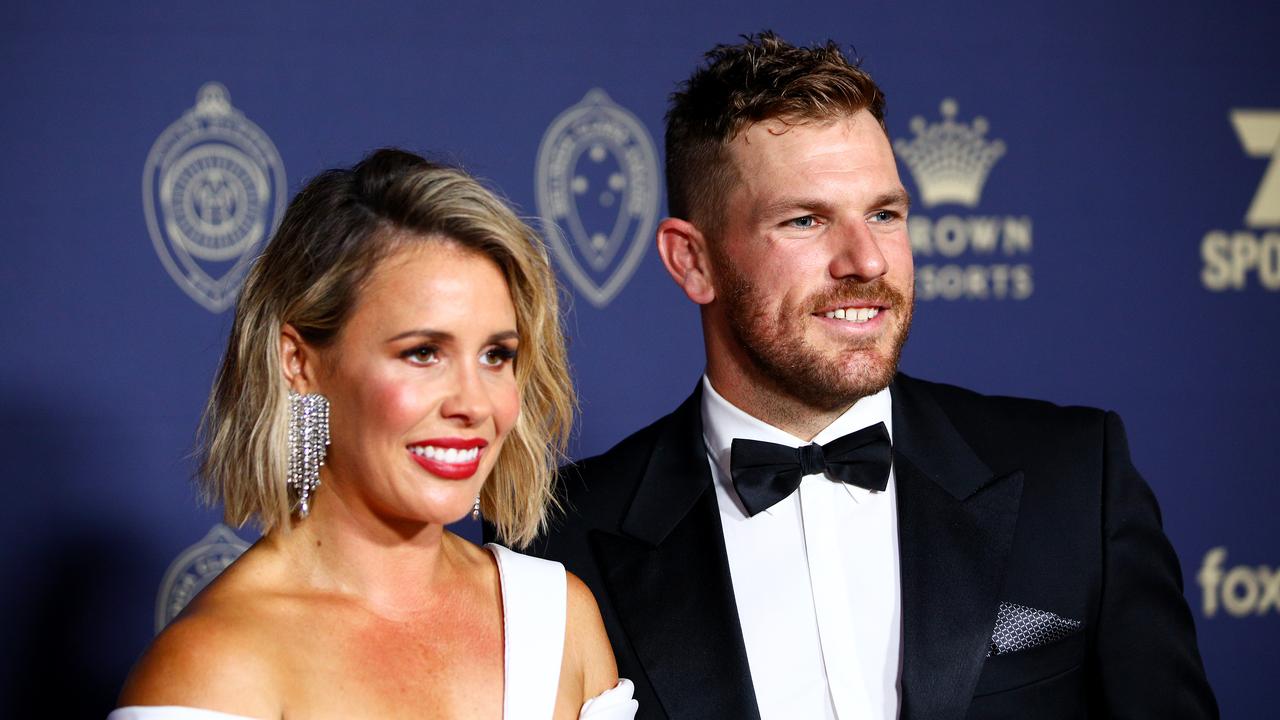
{"x":763,"y":400}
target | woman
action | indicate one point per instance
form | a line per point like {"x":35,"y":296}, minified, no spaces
{"x":371,"y":394}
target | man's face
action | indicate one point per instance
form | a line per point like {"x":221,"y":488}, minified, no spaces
{"x":812,"y":268}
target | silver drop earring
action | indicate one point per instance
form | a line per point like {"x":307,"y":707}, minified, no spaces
{"x":308,"y":444}
{"x":475,"y":509}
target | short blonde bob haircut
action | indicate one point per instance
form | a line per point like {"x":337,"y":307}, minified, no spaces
{"x":331,"y":238}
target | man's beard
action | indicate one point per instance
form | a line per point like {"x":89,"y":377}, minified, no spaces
{"x":778,"y":349}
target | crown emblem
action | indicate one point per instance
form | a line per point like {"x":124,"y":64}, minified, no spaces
{"x":949,"y":160}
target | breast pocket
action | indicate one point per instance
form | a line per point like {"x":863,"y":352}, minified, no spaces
{"x":1014,"y":670}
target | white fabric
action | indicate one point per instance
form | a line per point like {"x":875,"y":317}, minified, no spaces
{"x":170,"y":712}
{"x":612,"y":704}
{"x":815,"y":577}
{"x":532,"y":630}
{"x":534,"y":610}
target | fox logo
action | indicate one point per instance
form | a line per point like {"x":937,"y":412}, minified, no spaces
{"x":1242,"y":590}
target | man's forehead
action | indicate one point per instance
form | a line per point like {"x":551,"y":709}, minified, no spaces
{"x":778,"y":140}
{"x":781,"y":125}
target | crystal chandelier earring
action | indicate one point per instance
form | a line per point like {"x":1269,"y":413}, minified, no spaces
{"x":308,"y":444}
{"x":475,"y":509}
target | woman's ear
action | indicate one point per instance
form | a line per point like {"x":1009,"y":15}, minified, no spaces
{"x":298,"y":361}
{"x":684,"y":253}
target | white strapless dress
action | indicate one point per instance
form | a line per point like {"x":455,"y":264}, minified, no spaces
{"x":534,"y":605}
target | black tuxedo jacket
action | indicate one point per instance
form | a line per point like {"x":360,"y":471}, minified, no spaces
{"x":999,"y":500}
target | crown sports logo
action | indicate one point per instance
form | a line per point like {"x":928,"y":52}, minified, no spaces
{"x":193,"y":570}
{"x":213,"y":189}
{"x":950,"y":162}
{"x":597,"y":182}
{"x":1230,"y":258}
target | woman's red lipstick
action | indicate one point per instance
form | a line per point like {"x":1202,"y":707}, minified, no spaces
{"x":449,"y":458}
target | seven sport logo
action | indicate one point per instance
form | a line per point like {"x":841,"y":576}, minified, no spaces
{"x":1232,"y":258}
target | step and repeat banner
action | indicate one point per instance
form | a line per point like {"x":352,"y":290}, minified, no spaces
{"x":1096,"y":221}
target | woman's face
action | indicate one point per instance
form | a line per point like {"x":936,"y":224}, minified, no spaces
{"x":421,"y":384}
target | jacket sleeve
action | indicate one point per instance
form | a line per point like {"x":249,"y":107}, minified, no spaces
{"x":1147,"y":659}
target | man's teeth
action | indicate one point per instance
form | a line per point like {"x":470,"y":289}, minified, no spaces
{"x":860,"y":315}
{"x":448,"y":455}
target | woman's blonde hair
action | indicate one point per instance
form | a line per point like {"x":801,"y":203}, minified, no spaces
{"x":332,"y":236}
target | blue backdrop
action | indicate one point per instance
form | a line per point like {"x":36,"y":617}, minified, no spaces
{"x":1113,"y":239}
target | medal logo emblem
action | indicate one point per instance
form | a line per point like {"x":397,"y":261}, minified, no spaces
{"x":597,"y":190}
{"x":213,"y":189}
{"x":194,"y":569}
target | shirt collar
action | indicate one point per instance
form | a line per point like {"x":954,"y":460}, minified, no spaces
{"x":722,"y":422}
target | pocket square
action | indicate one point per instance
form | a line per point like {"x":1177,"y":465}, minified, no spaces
{"x":1019,"y":627}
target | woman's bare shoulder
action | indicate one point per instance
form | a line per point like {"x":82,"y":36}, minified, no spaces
{"x":221,"y":654}
{"x":587,"y":643}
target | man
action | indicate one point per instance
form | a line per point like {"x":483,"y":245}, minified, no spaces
{"x":1001,"y":558}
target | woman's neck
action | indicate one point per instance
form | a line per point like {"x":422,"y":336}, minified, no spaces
{"x":393,"y":568}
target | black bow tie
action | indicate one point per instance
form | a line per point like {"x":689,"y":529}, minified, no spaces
{"x":765,"y":473}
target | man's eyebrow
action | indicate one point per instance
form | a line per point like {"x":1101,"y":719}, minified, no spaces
{"x":807,"y":204}
{"x":894,"y":197}
{"x":791,"y":204}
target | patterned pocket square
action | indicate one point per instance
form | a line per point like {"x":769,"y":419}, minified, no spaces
{"x":1019,"y":627}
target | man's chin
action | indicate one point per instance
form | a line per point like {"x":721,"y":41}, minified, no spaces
{"x":837,"y":387}
{"x":866,"y":379}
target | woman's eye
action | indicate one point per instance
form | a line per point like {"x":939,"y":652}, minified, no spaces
{"x":497,"y":357}
{"x":424,"y":355}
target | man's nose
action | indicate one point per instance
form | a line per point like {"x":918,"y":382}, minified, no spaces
{"x":856,"y":254}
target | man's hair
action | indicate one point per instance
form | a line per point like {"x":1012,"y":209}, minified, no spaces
{"x":762,"y":78}
{"x":333,"y":235}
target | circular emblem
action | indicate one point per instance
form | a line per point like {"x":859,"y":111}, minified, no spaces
{"x":194,"y":569}
{"x":213,"y":189}
{"x":597,"y":183}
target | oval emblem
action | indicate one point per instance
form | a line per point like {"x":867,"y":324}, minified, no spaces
{"x":597,"y":191}
{"x":213,"y":189}
{"x":194,"y":569}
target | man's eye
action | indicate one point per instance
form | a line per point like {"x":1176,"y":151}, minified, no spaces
{"x":422,"y":355}
{"x":497,"y":357}
{"x":804,"y":223}
{"x":883,"y":216}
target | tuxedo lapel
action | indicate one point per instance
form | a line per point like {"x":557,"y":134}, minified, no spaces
{"x":955,"y":526}
{"x":668,"y":580}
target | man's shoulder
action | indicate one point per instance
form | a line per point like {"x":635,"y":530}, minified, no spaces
{"x":1017,"y":428}
{"x":616,"y":470}
{"x":596,"y":492}
{"x":955,"y":400}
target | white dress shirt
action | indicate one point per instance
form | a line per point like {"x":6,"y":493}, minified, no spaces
{"x":815,"y":577}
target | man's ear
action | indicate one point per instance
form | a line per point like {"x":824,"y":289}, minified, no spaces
{"x":298,"y":361}
{"x":683,"y":248}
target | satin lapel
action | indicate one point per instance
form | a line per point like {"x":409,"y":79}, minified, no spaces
{"x":668,"y":579}
{"x":955,"y":527}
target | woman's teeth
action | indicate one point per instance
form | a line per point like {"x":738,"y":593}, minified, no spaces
{"x":448,"y":455}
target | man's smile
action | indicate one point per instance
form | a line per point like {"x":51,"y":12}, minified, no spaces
{"x":853,"y":314}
